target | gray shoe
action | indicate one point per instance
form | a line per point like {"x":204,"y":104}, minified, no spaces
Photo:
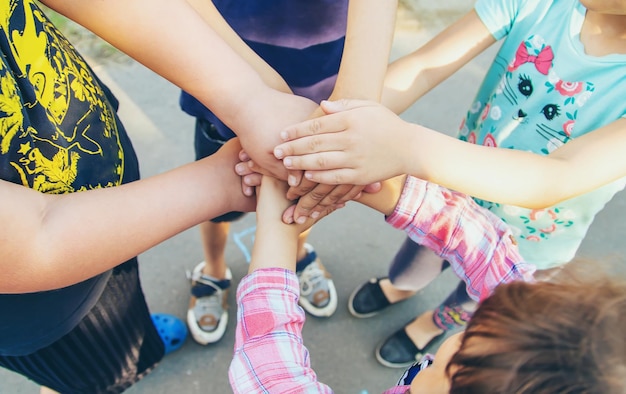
{"x":207,"y":315}
{"x":318,"y":295}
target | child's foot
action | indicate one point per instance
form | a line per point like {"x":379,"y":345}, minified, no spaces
{"x":207,"y":315}
{"x":374,"y":296}
{"x":318,"y":295}
{"x":411,"y":343}
{"x":418,"y":338}
{"x":171,"y":329}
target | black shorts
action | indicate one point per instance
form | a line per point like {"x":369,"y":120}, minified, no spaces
{"x":113,"y":347}
{"x":207,"y":141}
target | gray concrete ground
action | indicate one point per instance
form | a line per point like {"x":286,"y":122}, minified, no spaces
{"x":354,"y":243}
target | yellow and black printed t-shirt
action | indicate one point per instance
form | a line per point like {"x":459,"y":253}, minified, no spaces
{"x":59,"y":133}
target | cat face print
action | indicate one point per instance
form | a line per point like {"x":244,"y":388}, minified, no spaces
{"x":531,"y":107}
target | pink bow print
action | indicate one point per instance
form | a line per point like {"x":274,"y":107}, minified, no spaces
{"x":542,"y":61}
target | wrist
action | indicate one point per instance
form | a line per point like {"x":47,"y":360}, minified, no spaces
{"x":386,"y":199}
{"x":412,"y":150}
{"x":274,"y":247}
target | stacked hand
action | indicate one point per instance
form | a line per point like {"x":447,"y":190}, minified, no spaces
{"x":312,"y":197}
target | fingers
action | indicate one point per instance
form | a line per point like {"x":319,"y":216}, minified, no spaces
{"x":288,"y":214}
{"x":304,"y":187}
{"x":307,"y":223}
{"x":324,"y":124}
{"x":335,"y":199}
{"x":315,"y":135}
{"x":309,"y":201}
{"x":294,"y":177}
{"x":250,"y":182}
{"x":318,"y":161}
{"x":243,"y":156}
{"x":354,"y":193}
{"x":249,"y":178}
{"x":322,"y":197}
{"x":342,"y":176}
{"x":306,"y":145}
{"x":373,"y":187}
{"x":331,"y":107}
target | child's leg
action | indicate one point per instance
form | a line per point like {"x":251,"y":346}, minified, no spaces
{"x":455,"y":311}
{"x":412,"y":268}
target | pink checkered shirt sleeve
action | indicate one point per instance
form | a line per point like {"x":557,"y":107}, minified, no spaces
{"x":270,"y":356}
{"x":478,"y":245}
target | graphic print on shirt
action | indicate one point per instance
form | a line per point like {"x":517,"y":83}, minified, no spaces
{"x":534,"y":110}
{"x":58,"y":132}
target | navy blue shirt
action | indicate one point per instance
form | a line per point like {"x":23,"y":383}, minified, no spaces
{"x":301,"y":39}
{"x":59,"y":133}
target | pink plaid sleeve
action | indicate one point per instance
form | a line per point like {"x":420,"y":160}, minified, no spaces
{"x":270,"y":356}
{"x":478,"y":245}
{"x":397,"y":390}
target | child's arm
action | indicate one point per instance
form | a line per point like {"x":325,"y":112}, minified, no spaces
{"x":269,"y":354}
{"x":112,"y":224}
{"x":479,"y":246}
{"x":413,"y":75}
{"x":173,"y":40}
{"x":369,"y":36}
{"x":368,"y":142}
{"x":275,"y":243}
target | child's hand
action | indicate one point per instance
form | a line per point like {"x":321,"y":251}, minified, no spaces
{"x":260,"y":140}
{"x":275,"y":242}
{"x":358,"y":143}
{"x":224,"y":160}
{"x":251,"y":175}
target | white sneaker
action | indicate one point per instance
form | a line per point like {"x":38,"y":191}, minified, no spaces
{"x":318,"y":295}
{"x":207,"y":315}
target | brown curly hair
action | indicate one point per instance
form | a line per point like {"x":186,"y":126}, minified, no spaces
{"x":545,"y":338}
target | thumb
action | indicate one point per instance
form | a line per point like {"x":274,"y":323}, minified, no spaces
{"x":331,"y":107}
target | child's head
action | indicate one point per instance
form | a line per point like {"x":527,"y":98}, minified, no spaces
{"x":537,"y":338}
{"x":545,"y":338}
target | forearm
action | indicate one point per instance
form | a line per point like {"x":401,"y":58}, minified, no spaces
{"x":172,"y":39}
{"x":275,"y":243}
{"x":386,"y":199}
{"x":516,"y":177}
{"x":479,"y":246}
{"x":412,"y":76}
{"x":275,"y":246}
{"x":190,"y":54}
{"x":368,"y":42}
{"x":211,"y":15}
{"x":111,"y":225}
{"x":269,"y":353}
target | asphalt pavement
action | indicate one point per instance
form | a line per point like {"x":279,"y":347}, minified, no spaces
{"x":354,"y":243}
